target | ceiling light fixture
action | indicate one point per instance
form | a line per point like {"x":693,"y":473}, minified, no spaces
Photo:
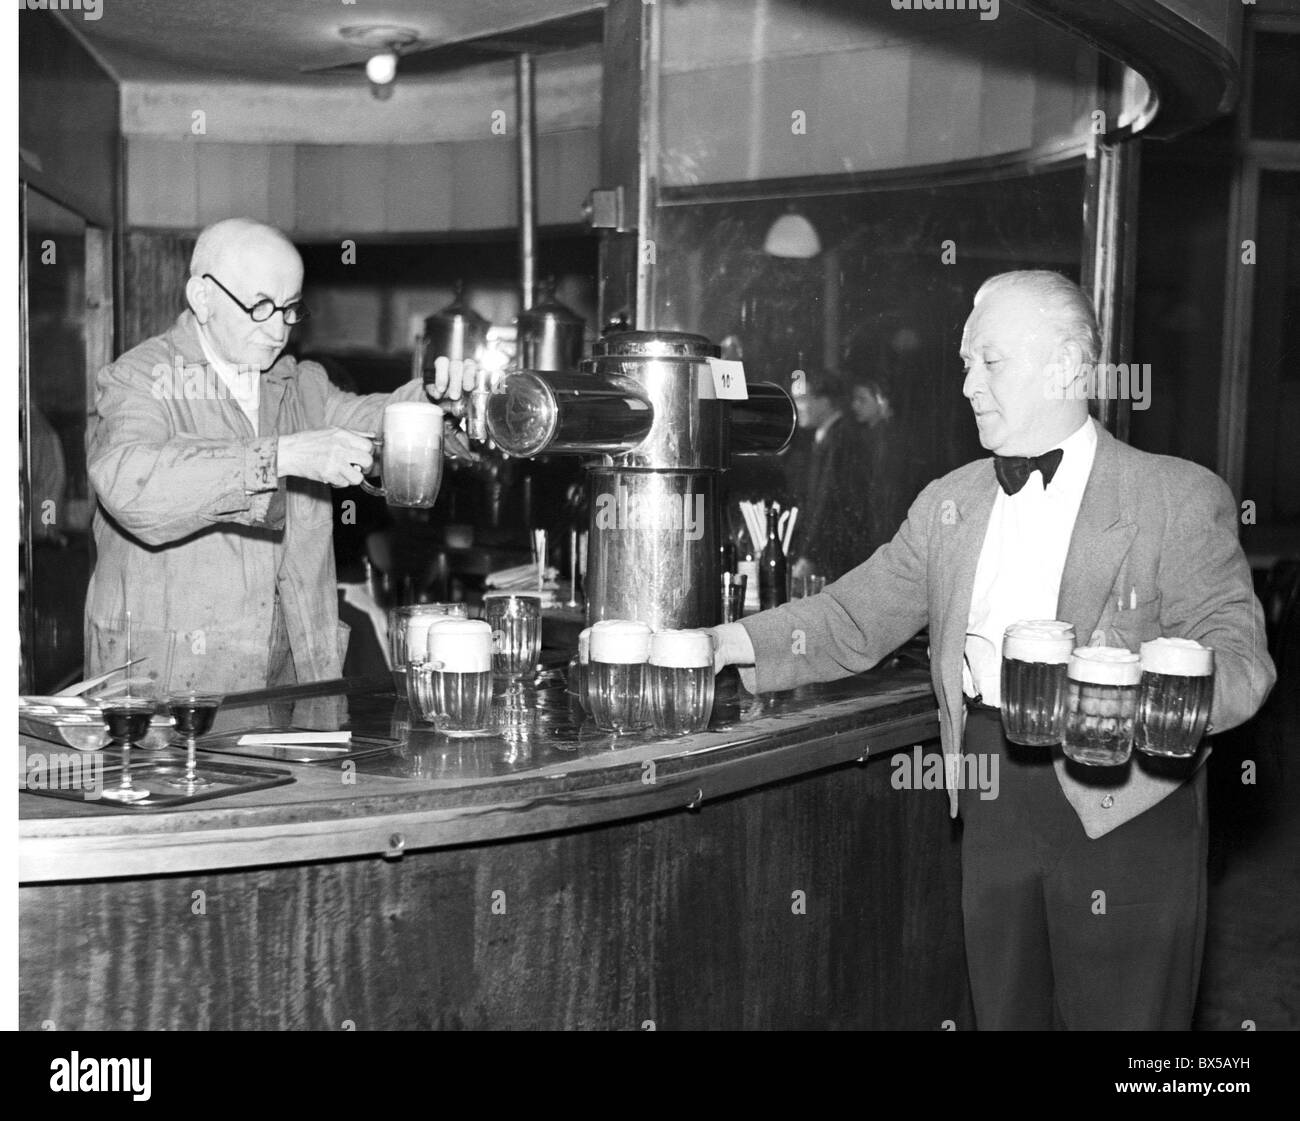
{"x":388,"y":42}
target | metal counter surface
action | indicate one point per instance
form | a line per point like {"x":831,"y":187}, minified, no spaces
{"x":545,"y":770}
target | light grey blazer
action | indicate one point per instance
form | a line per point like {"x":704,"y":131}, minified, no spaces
{"x":1154,"y":552}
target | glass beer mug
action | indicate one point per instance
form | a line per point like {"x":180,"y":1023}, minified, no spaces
{"x":1174,"y":699}
{"x":1101,"y":696}
{"x":616,"y":683}
{"x":409,"y":453}
{"x":1035,"y":655}
{"x":681,"y":681}
{"x":459,"y":689}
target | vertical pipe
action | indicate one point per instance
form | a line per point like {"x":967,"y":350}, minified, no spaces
{"x":1109,"y":238}
{"x":527,"y":115}
{"x":27,"y":667}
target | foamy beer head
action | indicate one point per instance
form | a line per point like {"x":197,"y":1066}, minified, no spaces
{"x":1177,"y":657}
{"x":461,"y":645}
{"x":405,"y":420}
{"x":1105,"y":665}
{"x":584,"y":645}
{"x":620,"y":642}
{"x":1039,"y":640}
{"x":681,"y":649}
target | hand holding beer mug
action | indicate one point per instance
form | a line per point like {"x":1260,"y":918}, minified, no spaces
{"x":1035,"y":655}
{"x":681,"y":681}
{"x":1175,"y":696}
{"x":1101,"y":696}
{"x":616,"y":684}
{"x":410,"y":447}
{"x":460,"y":676}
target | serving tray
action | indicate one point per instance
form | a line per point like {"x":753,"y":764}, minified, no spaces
{"x":86,"y":784}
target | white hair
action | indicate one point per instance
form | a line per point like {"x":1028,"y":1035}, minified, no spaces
{"x":1060,"y":300}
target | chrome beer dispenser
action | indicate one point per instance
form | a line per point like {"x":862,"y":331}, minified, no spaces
{"x":648,"y":403}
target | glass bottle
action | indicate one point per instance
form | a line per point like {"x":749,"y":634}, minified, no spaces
{"x":773,"y":582}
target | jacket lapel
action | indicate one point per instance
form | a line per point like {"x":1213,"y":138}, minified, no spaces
{"x":1102,"y":536}
{"x":959,"y":556}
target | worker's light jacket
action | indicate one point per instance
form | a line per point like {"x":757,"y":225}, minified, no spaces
{"x":193,"y":530}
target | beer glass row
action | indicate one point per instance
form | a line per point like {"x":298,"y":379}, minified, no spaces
{"x":1099,"y":702}
{"x":628,"y":678}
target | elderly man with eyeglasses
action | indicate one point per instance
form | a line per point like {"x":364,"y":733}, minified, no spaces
{"x":211,"y":454}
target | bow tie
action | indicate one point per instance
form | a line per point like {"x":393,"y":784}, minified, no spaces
{"x":1013,"y":471}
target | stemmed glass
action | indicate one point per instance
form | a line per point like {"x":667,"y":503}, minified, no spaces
{"x":127,"y":720}
{"x":194,"y":713}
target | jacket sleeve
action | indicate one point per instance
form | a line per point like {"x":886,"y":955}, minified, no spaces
{"x":361,"y":413}
{"x":162,"y":485}
{"x":856,"y":621}
{"x":1207,"y":594}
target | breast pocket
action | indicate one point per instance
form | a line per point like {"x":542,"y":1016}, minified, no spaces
{"x":1129,"y":624}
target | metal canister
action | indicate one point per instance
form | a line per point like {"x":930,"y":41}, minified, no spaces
{"x":550,"y":336}
{"x":455,"y":332}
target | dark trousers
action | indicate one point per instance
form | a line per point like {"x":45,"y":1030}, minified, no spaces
{"x":1063,"y":932}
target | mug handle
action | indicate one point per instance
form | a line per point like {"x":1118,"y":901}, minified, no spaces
{"x":378,"y":492}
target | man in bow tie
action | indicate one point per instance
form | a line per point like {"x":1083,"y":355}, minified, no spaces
{"x":1083,"y":894}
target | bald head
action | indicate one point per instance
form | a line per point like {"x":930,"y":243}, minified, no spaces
{"x":233,"y":241}
{"x":237,"y":262}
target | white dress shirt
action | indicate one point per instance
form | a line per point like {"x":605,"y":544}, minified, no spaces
{"x":1022,"y":559}
{"x":245,"y":386}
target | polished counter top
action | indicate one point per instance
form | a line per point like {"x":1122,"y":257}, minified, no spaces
{"x":546,"y":769}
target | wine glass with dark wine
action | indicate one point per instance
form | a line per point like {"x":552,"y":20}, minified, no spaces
{"x":194,"y":714}
{"x":127,"y":720}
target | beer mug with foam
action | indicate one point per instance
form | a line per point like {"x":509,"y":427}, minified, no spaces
{"x":1101,"y":692}
{"x":1035,"y":655}
{"x":460,"y":676}
{"x":408,"y":452}
{"x":1175,"y":696}
{"x":616,"y":684}
{"x":681,"y":681}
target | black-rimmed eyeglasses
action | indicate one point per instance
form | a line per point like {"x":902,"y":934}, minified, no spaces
{"x":295,"y":311}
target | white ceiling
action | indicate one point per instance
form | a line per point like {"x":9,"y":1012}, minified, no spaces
{"x":274,"y":41}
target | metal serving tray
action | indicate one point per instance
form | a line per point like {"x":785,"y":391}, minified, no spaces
{"x":226,"y":778}
{"x":227,"y":743}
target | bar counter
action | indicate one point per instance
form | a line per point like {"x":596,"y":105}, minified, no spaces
{"x":764,"y":873}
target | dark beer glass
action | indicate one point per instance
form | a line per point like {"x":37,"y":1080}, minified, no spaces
{"x":1101,"y":694}
{"x":1174,"y":697}
{"x":1035,"y":656}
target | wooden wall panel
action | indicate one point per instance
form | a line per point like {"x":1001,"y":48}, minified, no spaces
{"x":233,"y":181}
{"x":686,"y":920}
{"x":156,"y":268}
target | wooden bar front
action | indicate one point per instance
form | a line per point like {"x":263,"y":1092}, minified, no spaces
{"x":764,"y":875}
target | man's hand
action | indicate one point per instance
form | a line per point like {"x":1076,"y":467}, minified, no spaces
{"x":733,"y":647}
{"x":802,"y":567}
{"x":337,"y":456}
